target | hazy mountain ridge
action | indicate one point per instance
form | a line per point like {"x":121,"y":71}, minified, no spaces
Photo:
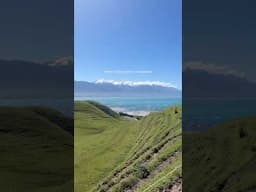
{"x":25,"y":78}
{"x":201,"y":83}
{"x":87,"y":89}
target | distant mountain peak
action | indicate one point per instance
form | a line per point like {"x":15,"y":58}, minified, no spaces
{"x":109,"y":88}
{"x":63,"y":61}
{"x":136,"y":83}
{"x":212,"y":69}
{"x":209,"y":81}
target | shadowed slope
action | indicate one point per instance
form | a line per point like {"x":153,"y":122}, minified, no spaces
{"x":33,"y":147}
{"x":222,"y":159}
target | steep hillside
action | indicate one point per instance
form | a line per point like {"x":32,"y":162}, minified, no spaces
{"x":33,"y":145}
{"x":222,"y":159}
{"x":116,"y":154}
{"x":101,"y":143}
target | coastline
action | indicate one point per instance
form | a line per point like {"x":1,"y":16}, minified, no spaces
{"x":135,"y":106}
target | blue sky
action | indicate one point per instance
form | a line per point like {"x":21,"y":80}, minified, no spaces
{"x":36,"y":30}
{"x":129,"y":35}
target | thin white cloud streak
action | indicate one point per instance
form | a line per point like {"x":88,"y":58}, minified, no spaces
{"x":128,"y":71}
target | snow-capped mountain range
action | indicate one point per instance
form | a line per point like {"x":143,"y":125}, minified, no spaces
{"x":136,"y":83}
{"x":111,"y":88}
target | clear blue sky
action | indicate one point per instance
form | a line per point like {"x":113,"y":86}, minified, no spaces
{"x":128,"y":35}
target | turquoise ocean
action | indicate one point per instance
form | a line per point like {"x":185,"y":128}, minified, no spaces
{"x":135,"y":106}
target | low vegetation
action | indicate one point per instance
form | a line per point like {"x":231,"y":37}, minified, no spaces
{"x":221,"y":159}
{"x":115,"y":154}
{"x":36,"y":147}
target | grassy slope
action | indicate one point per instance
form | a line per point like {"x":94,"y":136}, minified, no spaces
{"x":102,"y":140}
{"x":223,"y":159}
{"x":32,"y":151}
{"x":118,"y":152}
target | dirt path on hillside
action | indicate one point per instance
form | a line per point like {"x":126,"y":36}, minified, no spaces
{"x":177,"y":187}
{"x":158,"y":169}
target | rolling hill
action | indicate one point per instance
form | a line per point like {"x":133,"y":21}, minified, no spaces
{"x":221,"y":159}
{"x":33,"y":143}
{"x":113,"y":153}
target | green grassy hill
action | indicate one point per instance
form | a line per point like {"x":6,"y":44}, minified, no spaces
{"x":221,"y":159}
{"x":34,"y":150}
{"x":116,"y":154}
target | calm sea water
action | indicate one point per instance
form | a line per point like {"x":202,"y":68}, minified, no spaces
{"x":198,"y":114}
{"x":201,"y":114}
{"x":136,"y":106}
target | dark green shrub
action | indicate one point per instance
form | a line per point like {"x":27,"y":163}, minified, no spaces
{"x":253,"y":148}
{"x":140,"y":171}
{"x":242,"y":132}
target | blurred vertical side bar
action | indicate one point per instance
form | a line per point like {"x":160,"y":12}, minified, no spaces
{"x":219,"y":96}
{"x":36,"y":96}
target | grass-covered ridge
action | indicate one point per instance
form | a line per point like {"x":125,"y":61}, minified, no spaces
{"x":221,"y":159}
{"x":113,"y":153}
{"x":36,"y":150}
